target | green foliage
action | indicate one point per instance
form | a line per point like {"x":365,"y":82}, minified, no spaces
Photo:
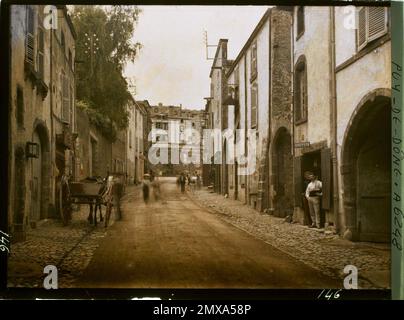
{"x":101,"y":86}
{"x":103,"y":123}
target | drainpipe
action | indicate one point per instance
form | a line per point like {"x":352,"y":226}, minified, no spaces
{"x":333,"y":115}
{"x":245,"y":126}
{"x":52,"y":153}
{"x":292,"y":93}
{"x":268,"y":169}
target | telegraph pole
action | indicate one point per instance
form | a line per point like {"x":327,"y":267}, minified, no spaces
{"x":92,"y":46}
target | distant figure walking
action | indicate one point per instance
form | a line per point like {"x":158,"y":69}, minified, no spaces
{"x":156,"y":189}
{"x":198,"y":181}
{"x":182,"y":182}
{"x":146,"y":188}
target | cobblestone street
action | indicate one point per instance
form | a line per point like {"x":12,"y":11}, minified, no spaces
{"x":327,"y":253}
{"x":74,"y":248}
{"x":69,"y":248}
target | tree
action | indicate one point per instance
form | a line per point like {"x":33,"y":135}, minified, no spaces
{"x":101,"y":85}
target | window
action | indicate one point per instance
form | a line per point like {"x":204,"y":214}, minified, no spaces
{"x":20,"y":107}
{"x":300,"y":98}
{"x":300,"y":21}
{"x":40,"y":54}
{"x":372,"y":24}
{"x":130,"y":139}
{"x":254,"y":61}
{"x":254,"y":105}
{"x":29,"y":37}
{"x":62,"y":42}
{"x":65,"y":98}
{"x":70,"y":59}
{"x":237,"y":76}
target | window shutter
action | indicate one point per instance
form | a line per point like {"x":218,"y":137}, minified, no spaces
{"x":41,"y":46}
{"x":65,"y":98}
{"x":326,"y":178}
{"x":297,"y":177}
{"x":377,"y":22}
{"x":254,"y":94}
{"x":252,"y":61}
{"x":362,"y":28}
{"x":29,"y":38}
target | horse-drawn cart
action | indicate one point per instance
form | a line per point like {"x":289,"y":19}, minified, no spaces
{"x":92,"y":191}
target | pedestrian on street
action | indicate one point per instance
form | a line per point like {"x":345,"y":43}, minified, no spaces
{"x":182,"y":182}
{"x":198,"y":181}
{"x":146,"y":188}
{"x":156,"y":189}
{"x":313,"y":195}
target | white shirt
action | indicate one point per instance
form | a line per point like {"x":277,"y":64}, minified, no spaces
{"x":314,"y":185}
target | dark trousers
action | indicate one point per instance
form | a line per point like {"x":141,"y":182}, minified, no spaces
{"x":307,"y":218}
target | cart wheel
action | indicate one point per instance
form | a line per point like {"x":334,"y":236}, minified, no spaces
{"x":65,"y":203}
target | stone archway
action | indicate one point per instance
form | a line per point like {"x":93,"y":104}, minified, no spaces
{"x":41,"y":173}
{"x":282,"y":173}
{"x":366,"y":169}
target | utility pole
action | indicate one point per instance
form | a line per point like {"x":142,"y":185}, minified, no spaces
{"x":92,"y":46}
{"x":207,"y":45}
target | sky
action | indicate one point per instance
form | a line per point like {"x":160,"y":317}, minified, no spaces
{"x":171,"y":67}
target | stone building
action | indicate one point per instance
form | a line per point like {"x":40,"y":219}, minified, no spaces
{"x":259,"y":98}
{"x":363,"y":124}
{"x":42,"y":113}
{"x":142,"y":135}
{"x":174,"y":128}
{"x":342,"y":115}
{"x":96,"y":154}
{"x":93,"y":149}
{"x":135,"y":143}
{"x":141,"y":118}
{"x":254,"y":92}
{"x":130,"y":142}
{"x":314,"y":82}
{"x":217,"y":114}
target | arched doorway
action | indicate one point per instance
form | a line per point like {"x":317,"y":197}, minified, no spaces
{"x":40,"y":175}
{"x":282,"y":173}
{"x":366,"y":169}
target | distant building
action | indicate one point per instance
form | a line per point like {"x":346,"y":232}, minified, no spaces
{"x":135,"y":143}
{"x":171,"y":127}
{"x":141,"y":137}
{"x":218,"y":114}
{"x":254,"y":92}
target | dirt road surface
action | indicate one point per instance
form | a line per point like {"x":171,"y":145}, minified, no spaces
{"x":174,"y":243}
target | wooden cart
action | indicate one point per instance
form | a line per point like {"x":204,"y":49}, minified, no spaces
{"x":94,"y":192}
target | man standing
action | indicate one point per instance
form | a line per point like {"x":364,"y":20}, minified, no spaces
{"x":307,"y":217}
{"x":313,"y":194}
